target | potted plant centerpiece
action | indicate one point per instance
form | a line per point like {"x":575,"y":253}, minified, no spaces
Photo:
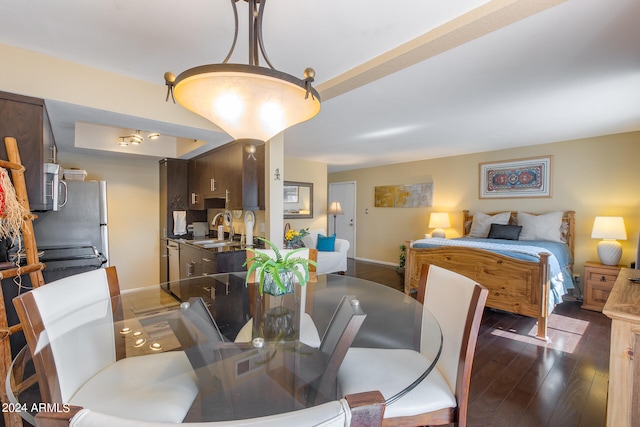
{"x":276,"y":276}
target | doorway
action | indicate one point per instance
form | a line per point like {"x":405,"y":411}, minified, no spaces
{"x":345,"y":224}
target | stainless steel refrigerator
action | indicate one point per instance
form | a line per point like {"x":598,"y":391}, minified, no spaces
{"x":75,"y":238}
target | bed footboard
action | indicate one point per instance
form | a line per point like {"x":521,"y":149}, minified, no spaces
{"x":515,"y":286}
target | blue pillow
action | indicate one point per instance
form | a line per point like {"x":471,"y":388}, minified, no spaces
{"x":326,"y":243}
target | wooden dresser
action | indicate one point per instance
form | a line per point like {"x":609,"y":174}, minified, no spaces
{"x":623,"y":307}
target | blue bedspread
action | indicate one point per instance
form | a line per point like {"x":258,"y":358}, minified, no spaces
{"x":559,"y":261}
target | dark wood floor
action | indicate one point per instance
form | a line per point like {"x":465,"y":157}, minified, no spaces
{"x":518,"y":380}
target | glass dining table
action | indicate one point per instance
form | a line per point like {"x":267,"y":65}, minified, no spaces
{"x":271,"y":370}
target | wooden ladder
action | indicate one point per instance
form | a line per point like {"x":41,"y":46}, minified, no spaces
{"x":33,"y":267}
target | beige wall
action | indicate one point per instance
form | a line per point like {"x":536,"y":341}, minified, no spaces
{"x":132,"y":207}
{"x":596,"y":176}
{"x":316,"y":173}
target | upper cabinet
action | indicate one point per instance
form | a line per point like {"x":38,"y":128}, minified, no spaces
{"x":232,"y":176}
{"x":25,"y":119}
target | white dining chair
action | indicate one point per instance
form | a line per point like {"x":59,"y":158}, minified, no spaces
{"x":361,"y":410}
{"x":69,"y":328}
{"x":457,"y":303}
{"x":308,"y":331}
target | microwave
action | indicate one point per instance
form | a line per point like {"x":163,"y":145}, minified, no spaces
{"x":54,"y":188}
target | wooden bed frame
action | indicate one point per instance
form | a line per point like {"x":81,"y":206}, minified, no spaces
{"x":515,"y":286}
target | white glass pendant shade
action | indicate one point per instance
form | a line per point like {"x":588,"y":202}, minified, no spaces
{"x":247,"y":102}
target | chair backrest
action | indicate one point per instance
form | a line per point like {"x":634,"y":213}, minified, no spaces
{"x":68,"y":325}
{"x":357,"y":410}
{"x":337,"y":339}
{"x":457,"y":302}
{"x":197,"y":332}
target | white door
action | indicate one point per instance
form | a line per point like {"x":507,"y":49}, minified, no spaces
{"x":345,"y":224}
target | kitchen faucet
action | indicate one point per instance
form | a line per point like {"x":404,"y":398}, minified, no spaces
{"x":228,"y":217}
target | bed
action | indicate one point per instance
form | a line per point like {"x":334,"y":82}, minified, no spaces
{"x":527,"y":276}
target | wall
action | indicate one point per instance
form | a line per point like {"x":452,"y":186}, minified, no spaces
{"x":595,"y":176}
{"x":315,"y":172}
{"x":132,"y":208}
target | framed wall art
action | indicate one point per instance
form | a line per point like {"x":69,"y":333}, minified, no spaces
{"x":404,"y":196}
{"x":529,"y":177}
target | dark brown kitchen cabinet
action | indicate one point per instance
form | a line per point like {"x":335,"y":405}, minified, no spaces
{"x":25,"y":119}
{"x":208,"y":262}
{"x":195,"y":173}
{"x":190,"y":261}
{"x":229,"y":175}
{"x":173,"y":193}
{"x":245,"y":184}
{"x":215,"y":179}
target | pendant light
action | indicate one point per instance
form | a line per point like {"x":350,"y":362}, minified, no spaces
{"x":246,"y":101}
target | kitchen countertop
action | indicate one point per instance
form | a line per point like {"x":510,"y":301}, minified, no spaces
{"x":236,"y":247}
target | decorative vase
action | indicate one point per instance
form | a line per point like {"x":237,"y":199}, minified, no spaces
{"x":279,"y":325}
{"x":271,"y":287}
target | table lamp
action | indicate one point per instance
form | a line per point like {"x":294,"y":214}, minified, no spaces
{"x":439,"y":221}
{"x":610,"y":229}
{"x":335,"y":209}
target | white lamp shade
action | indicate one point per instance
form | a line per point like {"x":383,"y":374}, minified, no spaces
{"x":439,"y":220}
{"x":609,"y":227}
{"x":335,"y":209}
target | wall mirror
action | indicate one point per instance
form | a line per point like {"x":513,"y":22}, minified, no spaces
{"x":298,"y":199}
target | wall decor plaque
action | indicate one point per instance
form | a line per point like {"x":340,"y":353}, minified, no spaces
{"x":529,"y":177}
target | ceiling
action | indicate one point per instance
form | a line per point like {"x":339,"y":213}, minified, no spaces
{"x":399,"y":82}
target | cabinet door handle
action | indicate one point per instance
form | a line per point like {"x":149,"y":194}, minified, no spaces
{"x":213,"y":184}
{"x":194,"y":198}
{"x":206,"y":260}
{"x":603,"y":279}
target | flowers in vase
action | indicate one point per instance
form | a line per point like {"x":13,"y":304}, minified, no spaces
{"x":293,"y":238}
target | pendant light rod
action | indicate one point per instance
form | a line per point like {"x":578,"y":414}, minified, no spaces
{"x":246,"y":101}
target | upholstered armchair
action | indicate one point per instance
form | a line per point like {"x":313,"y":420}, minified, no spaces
{"x":332,"y":256}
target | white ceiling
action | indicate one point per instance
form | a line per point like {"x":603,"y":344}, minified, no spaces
{"x":400,"y":81}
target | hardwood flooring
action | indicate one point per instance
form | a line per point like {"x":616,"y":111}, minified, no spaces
{"x":520,"y":381}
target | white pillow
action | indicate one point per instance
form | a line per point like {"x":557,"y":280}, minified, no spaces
{"x":311,"y":239}
{"x":541,"y":227}
{"x":482,"y":223}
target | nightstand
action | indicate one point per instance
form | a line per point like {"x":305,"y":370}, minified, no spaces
{"x":598,"y":281}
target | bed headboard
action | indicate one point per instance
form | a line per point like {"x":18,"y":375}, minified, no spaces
{"x":568,"y":220}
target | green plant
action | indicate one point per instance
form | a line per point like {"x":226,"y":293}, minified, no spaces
{"x":282,"y":263}
{"x":402,"y":258}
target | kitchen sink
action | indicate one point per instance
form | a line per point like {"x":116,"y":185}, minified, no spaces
{"x":214,"y":243}
{"x":220,"y":244}
{"x":207,"y":241}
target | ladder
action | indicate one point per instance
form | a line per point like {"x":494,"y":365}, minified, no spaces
{"x":33,"y":267}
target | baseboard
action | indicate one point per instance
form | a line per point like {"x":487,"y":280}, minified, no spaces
{"x":375,"y":261}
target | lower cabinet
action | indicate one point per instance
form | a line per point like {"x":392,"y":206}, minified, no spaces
{"x":190,"y":261}
{"x":208,"y":262}
{"x":195,"y":261}
{"x":622,"y":307}
{"x":598,"y":282}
